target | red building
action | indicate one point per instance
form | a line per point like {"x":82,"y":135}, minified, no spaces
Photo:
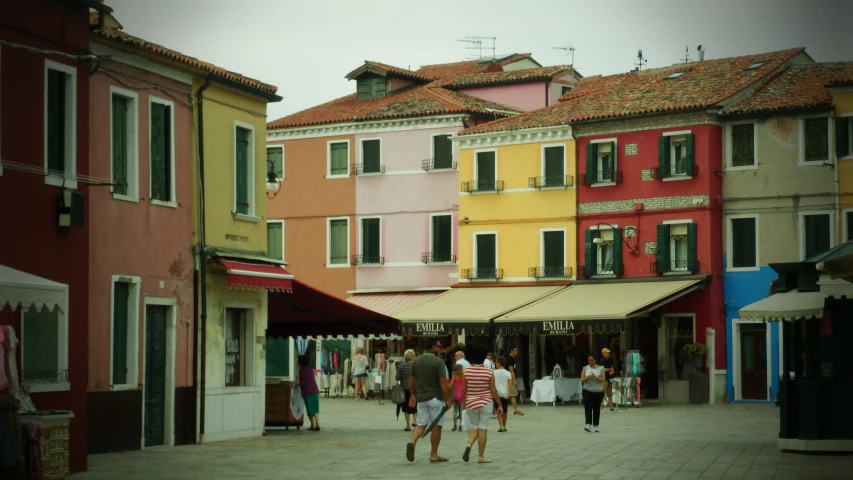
{"x":44,"y":242}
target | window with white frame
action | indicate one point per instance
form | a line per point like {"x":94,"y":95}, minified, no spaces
{"x":675,"y":155}
{"x":678,"y":247}
{"x":44,"y":350}
{"x":606,"y":163}
{"x":442,"y":152}
{"x":844,"y":137}
{"x":337,"y":248}
{"x":605,"y":254}
{"x":553,"y":253}
{"x":743,"y":242}
{"x":124,"y":148}
{"x":275,"y":239}
{"x":125,"y":332}
{"x":816,"y":233}
{"x":553,"y":166}
{"x":677,"y":242}
{"x":162,"y":151}
{"x":441,"y":239}
{"x":244,"y":162}
{"x":371,"y":155}
{"x":486,"y":170}
{"x":60,"y":124}
{"x":236,"y":322}
{"x":815,"y":139}
{"x":486,"y":255}
{"x":338,"y":153}
{"x":371,"y":241}
{"x":679,"y":155}
{"x":275,"y":156}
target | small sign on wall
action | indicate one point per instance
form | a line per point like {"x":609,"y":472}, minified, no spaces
{"x":630,"y":149}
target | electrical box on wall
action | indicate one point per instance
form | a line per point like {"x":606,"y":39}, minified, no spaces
{"x":72,"y":207}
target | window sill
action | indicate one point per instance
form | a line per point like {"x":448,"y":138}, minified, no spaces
{"x":558,"y":187}
{"x":246,"y":218}
{"x":42,"y":387}
{"x":117,"y":388}
{"x":743,"y":269}
{"x":847,"y":157}
{"x":483,"y":192}
{"x":125,"y":198}
{"x":336,"y":176}
{"x":735,"y":169}
{"x":161,"y":203}
{"x":64,"y":182}
{"x":338,"y":265}
{"x":369,"y":265}
{"x":814,"y":163}
{"x":371,"y":174}
{"x":603,"y":184}
{"x":440,"y":264}
{"x":605,"y":275}
{"x":439,"y":170}
{"x":676,"y":178}
{"x":677,"y":273}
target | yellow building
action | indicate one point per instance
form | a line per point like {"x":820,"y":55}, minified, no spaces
{"x":841,"y":89}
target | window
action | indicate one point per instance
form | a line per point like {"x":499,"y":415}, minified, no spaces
{"x":844,"y":137}
{"x":338,"y":159}
{"x":848,"y":225}
{"x":675,"y":75}
{"x":742,"y":145}
{"x":815,"y":233}
{"x":676,"y":247}
{"x":371,"y":87}
{"x":553,"y":256}
{"x":124,"y":148}
{"x":486,"y":171}
{"x":603,"y":256}
{"x":442,"y":152}
{"x":125,"y":334}
{"x":275,"y":239}
{"x":815,"y":139}
{"x":441,"y":238}
{"x":338,"y":242}
{"x":743,"y":242}
{"x":601,"y":162}
{"x":235,"y":361}
{"x":754,"y":66}
{"x":244,"y":161}
{"x":485,"y":255}
{"x":275,"y":154}
{"x":44,"y":347}
{"x":371,"y":240}
{"x":679,"y":331}
{"x":606,"y":163}
{"x":675,"y":155}
{"x":564,"y":89}
{"x":554,"y":166}
{"x":371,"y":156}
{"x":60,"y":124}
{"x":162,"y":152}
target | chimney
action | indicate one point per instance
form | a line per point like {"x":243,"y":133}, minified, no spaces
{"x":701,"y":51}
{"x":494,"y":67}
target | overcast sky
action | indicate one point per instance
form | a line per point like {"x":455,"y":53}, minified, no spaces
{"x":307,"y":47}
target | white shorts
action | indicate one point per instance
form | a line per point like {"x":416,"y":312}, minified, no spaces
{"x":479,"y":418}
{"x":429,"y":411}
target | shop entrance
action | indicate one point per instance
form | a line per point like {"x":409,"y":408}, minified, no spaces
{"x":155,"y":375}
{"x":753,"y":361}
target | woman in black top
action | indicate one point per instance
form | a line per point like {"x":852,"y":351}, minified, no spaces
{"x":607,"y":363}
{"x":403,"y":371}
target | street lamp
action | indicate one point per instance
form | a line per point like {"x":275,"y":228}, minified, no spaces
{"x":273,"y":185}
{"x":596,"y":237}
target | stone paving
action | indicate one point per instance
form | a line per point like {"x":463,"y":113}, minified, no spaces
{"x":363,"y":440}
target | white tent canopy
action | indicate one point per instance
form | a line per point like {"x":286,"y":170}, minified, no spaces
{"x":20,"y":289}
{"x":794,"y":305}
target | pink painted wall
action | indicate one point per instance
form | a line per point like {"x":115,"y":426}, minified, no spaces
{"x":137,"y":238}
{"x":526,"y":96}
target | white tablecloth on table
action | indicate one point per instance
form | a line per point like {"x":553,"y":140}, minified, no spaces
{"x":542,"y":391}
{"x":568,"y":389}
{"x":547,"y":390}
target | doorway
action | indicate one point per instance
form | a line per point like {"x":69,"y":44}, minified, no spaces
{"x":753,"y":361}
{"x":155,"y":375}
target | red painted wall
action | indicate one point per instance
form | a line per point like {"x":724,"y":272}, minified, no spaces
{"x":30,"y":238}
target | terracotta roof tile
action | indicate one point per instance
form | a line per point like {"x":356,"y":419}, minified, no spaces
{"x":456,"y":69}
{"x":511,"y":76}
{"x":397,"y":71}
{"x":703,"y":84}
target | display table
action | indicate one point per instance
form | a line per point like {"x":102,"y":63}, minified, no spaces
{"x":55,"y":435}
{"x":279,"y":406}
{"x":327,"y":383}
{"x":546,"y":390}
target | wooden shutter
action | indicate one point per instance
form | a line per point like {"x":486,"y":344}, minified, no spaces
{"x":662,"y":255}
{"x":370,"y":156}
{"x":338,"y":242}
{"x":689,"y":156}
{"x":618,"y":266}
{"x":486,"y":171}
{"x":160,"y":152}
{"x":590,"y":254}
{"x":554,"y":166}
{"x":613,"y":162}
{"x":817,"y":234}
{"x":663,"y":158}
{"x":241,"y":185}
{"x":119,"y":144}
{"x":554,"y":254}
{"x":692,"y":260}
{"x":56,"y":120}
{"x":275,"y":234}
{"x":441,"y":238}
{"x":339,"y":158}
{"x":442,"y":150}
{"x":591,"y":163}
{"x":486,"y":251}
{"x":370,"y":240}
{"x":121,"y":301}
{"x":842,"y":140}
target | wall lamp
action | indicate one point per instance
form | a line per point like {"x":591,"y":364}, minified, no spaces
{"x":635,"y":249}
{"x":273,"y":184}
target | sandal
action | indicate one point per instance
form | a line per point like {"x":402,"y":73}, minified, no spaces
{"x":410,"y":452}
{"x":483,"y":460}
{"x":519,"y":412}
{"x":467,"y":455}
{"x":407,"y":429}
{"x":438,"y":460}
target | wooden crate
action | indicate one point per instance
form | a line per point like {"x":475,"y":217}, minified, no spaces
{"x":55,"y":458}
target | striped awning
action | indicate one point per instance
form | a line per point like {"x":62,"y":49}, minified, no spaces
{"x":391,"y":303}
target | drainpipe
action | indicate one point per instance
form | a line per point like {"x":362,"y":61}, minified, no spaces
{"x":547,"y":86}
{"x":202,"y":261}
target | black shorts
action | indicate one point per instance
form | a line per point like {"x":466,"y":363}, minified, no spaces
{"x":504,"y":404}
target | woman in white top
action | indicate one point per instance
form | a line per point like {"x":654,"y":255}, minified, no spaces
{"x":360,"y":364}
{"x":592,"y":378}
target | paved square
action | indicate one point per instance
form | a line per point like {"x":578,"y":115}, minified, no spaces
{"x":363,"y":440}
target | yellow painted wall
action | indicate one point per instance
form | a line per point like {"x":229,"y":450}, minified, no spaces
{"x":844,"y":105}
{"x":517,"y":213}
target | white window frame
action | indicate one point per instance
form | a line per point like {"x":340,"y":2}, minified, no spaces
{"x":329,"y":158}
{"x":844,"y":222}
{"x":361,"y":154}
{"x":62,"y":355}
{"x":542,"y":162}
{"x":250,"y":175}
{"x":283,"y":170}
{"x":598,"y":256}
{"x":802,"y":140}
{"x":69,"y":179}
{"x":248,"y":347}
{"x":615,"y":156}
{"x":452,"y":151}
{"x":677,"y":136}
{"x":361,"y":236}
{"x":476,"y":167}
{"x":132,"y":143}
{"x":542,"y":232}
{"x":281,"y":221}
{"x":680,"y":221}
{"x":171,"y":341}
{"x":730,"y":243}
{"x":729,"y":145}
{"x":329,"y":243}
{"x":474,"y":238}
{"x":452,"y":240}
{"x":132,"y":330}
{"x":174,"y":202}
{"x":847,"y":115}
{"x":801,"y":227}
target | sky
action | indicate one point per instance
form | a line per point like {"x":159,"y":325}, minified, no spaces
{"x":306,"y":48}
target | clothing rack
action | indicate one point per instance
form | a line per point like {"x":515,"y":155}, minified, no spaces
{"x":632,"y":370}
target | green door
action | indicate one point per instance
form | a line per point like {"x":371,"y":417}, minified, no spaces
{"x":155,"y":375}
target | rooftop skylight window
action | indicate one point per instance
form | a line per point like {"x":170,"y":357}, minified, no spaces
{"x":754,"y":66}
{"x":675,"y":75}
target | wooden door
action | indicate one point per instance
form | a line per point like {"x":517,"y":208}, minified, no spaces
{"x":753,"y":361}
{"x":155,"y":375}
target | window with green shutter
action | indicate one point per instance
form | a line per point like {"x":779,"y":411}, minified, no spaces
{"x":817,"y":234}
{"x":442,"y":234}
{"x":338,"y":242}
{"x":56,"y":119}
{"x":121,"y":303}
{"x":241,"y":170}
{"x":120,"y":144}
{"x":744,"y":242}
{"x":486,"y":171}
{"x":275,"y":155}
{"x":442,"y":151}
{"x":486,"y":250}
{"x":844,"y":137}
{"x":663,"y":245}
{"x":161,"y":152}
{"x":618,"y":266}
{"x":40,"y":347}
{"x":553,"y":254}
{"x":816,"y":132}
{"x":692,"y":248}
{"x":371,"y":87}
{"x":275,"y":239}
{"x":591,"y":175}
{"x":371,"y":156}
{"x":606,"y":169}
{"x":339,"y":158}
{"x":743,"y":145}
{"x":590,"y":254}
{"x":555,"y":167}
{"x":664,"y":157}
{"x":370,"y":240}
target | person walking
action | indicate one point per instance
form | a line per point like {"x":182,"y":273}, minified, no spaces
{"x":513,"y":393}
{"x":403,"y":371}
{"x":607,"y":363}
{"x":489,"y":362}
{"x":456,"y":389}
{"x":430,"y":393}
{"x":479,"y":393}
{"x":310,"y":392}
{"x":460,"y":360}
{"x":503,"y":383}
{"x":360,"y":364}
{"x":592,"y":378}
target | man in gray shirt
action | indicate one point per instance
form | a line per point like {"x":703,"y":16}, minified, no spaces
{"x":430,"y":392}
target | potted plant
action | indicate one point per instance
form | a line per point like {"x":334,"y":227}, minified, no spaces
{"x":694,"y":351}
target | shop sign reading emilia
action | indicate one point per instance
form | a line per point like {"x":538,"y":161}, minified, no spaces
{"x":558,"y":328}
{"x":430,"y":329}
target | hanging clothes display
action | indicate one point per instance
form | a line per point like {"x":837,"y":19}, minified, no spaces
{"x":10,"y":428}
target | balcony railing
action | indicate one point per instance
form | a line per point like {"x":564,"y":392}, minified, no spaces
{"x":602,"y":177}
{"x":48,"y":375}
{"x":438,"y":257}
{"x":546,"y":181}
{"x":359,"y":169}
{"x":678,"y":266}
{"x":661,"y":175}
{"x":483,"y":186}
{"x":482,"y":273}
{"x":367,"y":260}
{"x":593,"y":270}
{"x":549,"y":272}
{"x":429,"y":164}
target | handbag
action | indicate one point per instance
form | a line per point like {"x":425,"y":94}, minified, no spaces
{"x":398,"y":396}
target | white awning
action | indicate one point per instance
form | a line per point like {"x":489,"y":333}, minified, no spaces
{"x":787,"y":306}
{"x":20,"y":289}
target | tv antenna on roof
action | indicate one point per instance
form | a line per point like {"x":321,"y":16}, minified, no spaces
{"x":640,"y":61}
{"x":477,"y":43}
{"x":569,"y":50}
{"x":686,"y":54}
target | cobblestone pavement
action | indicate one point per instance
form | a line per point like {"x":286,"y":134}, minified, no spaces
{"x":362,"y":440}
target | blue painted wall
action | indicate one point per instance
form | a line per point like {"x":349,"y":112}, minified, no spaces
{"x":741,"y":289}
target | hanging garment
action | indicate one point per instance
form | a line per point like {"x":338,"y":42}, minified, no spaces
{"x":635,"y":363}
{"x":323,"y":360}
{"x":336,"y":360}
{"x":382,"y":364}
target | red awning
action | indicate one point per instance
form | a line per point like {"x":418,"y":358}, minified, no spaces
{"x":308,"y":312}
{"x":257,"y":276}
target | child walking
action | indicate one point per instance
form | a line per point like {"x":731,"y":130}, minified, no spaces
{"x":456,"y":385}
{"x":503,"y":383}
